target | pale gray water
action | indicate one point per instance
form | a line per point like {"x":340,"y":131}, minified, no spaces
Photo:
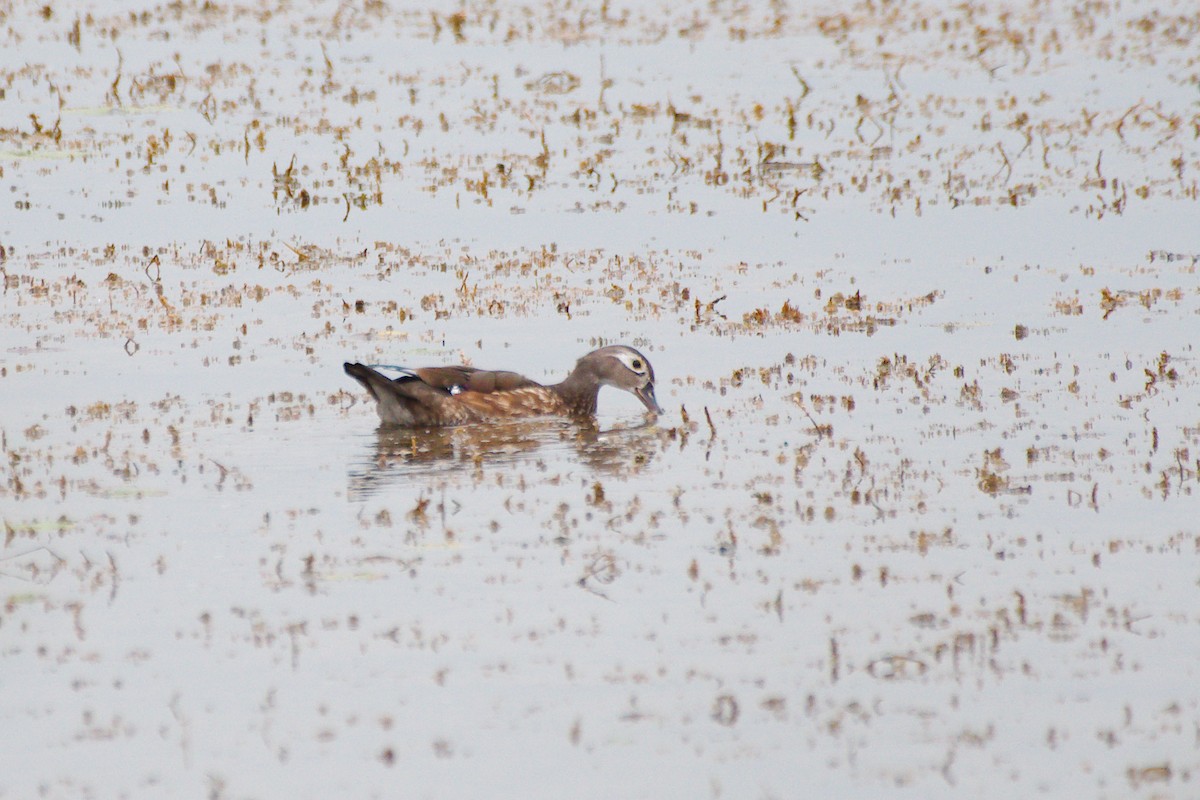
{"x":941,"y":539}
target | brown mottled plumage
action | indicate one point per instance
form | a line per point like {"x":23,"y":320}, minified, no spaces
{"x":434,"y":397}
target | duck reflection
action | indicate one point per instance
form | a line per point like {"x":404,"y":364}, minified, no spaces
{"x":404,"y":455}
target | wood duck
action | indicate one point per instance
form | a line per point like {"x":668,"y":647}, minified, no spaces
{"x":434,"y":397}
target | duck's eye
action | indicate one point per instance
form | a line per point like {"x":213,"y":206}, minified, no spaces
{"x":636,"y":363}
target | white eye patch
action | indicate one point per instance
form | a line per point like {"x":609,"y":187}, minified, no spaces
{"x":633,"y":362}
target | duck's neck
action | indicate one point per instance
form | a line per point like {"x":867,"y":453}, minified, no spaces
{"x":578,"y":391}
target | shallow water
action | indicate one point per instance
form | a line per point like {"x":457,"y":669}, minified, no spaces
{"x":919,"y":288}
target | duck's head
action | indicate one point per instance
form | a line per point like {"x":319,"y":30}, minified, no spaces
{"x":624,"y":368}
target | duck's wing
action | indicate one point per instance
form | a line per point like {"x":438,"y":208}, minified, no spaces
{"x":488,"y":381}
{"x":409,"y":400}
{"x":468,"y":379}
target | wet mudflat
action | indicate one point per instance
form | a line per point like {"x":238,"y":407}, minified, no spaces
{"x":920,"y":288}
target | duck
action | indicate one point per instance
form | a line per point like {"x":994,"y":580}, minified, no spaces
{"x":437,"y":397}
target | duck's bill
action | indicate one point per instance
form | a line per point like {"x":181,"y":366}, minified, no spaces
{"x":646,"y":395}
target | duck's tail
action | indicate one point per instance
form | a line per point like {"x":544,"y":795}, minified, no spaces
{"x":371,"y":380}
{"x":408,"y":400}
